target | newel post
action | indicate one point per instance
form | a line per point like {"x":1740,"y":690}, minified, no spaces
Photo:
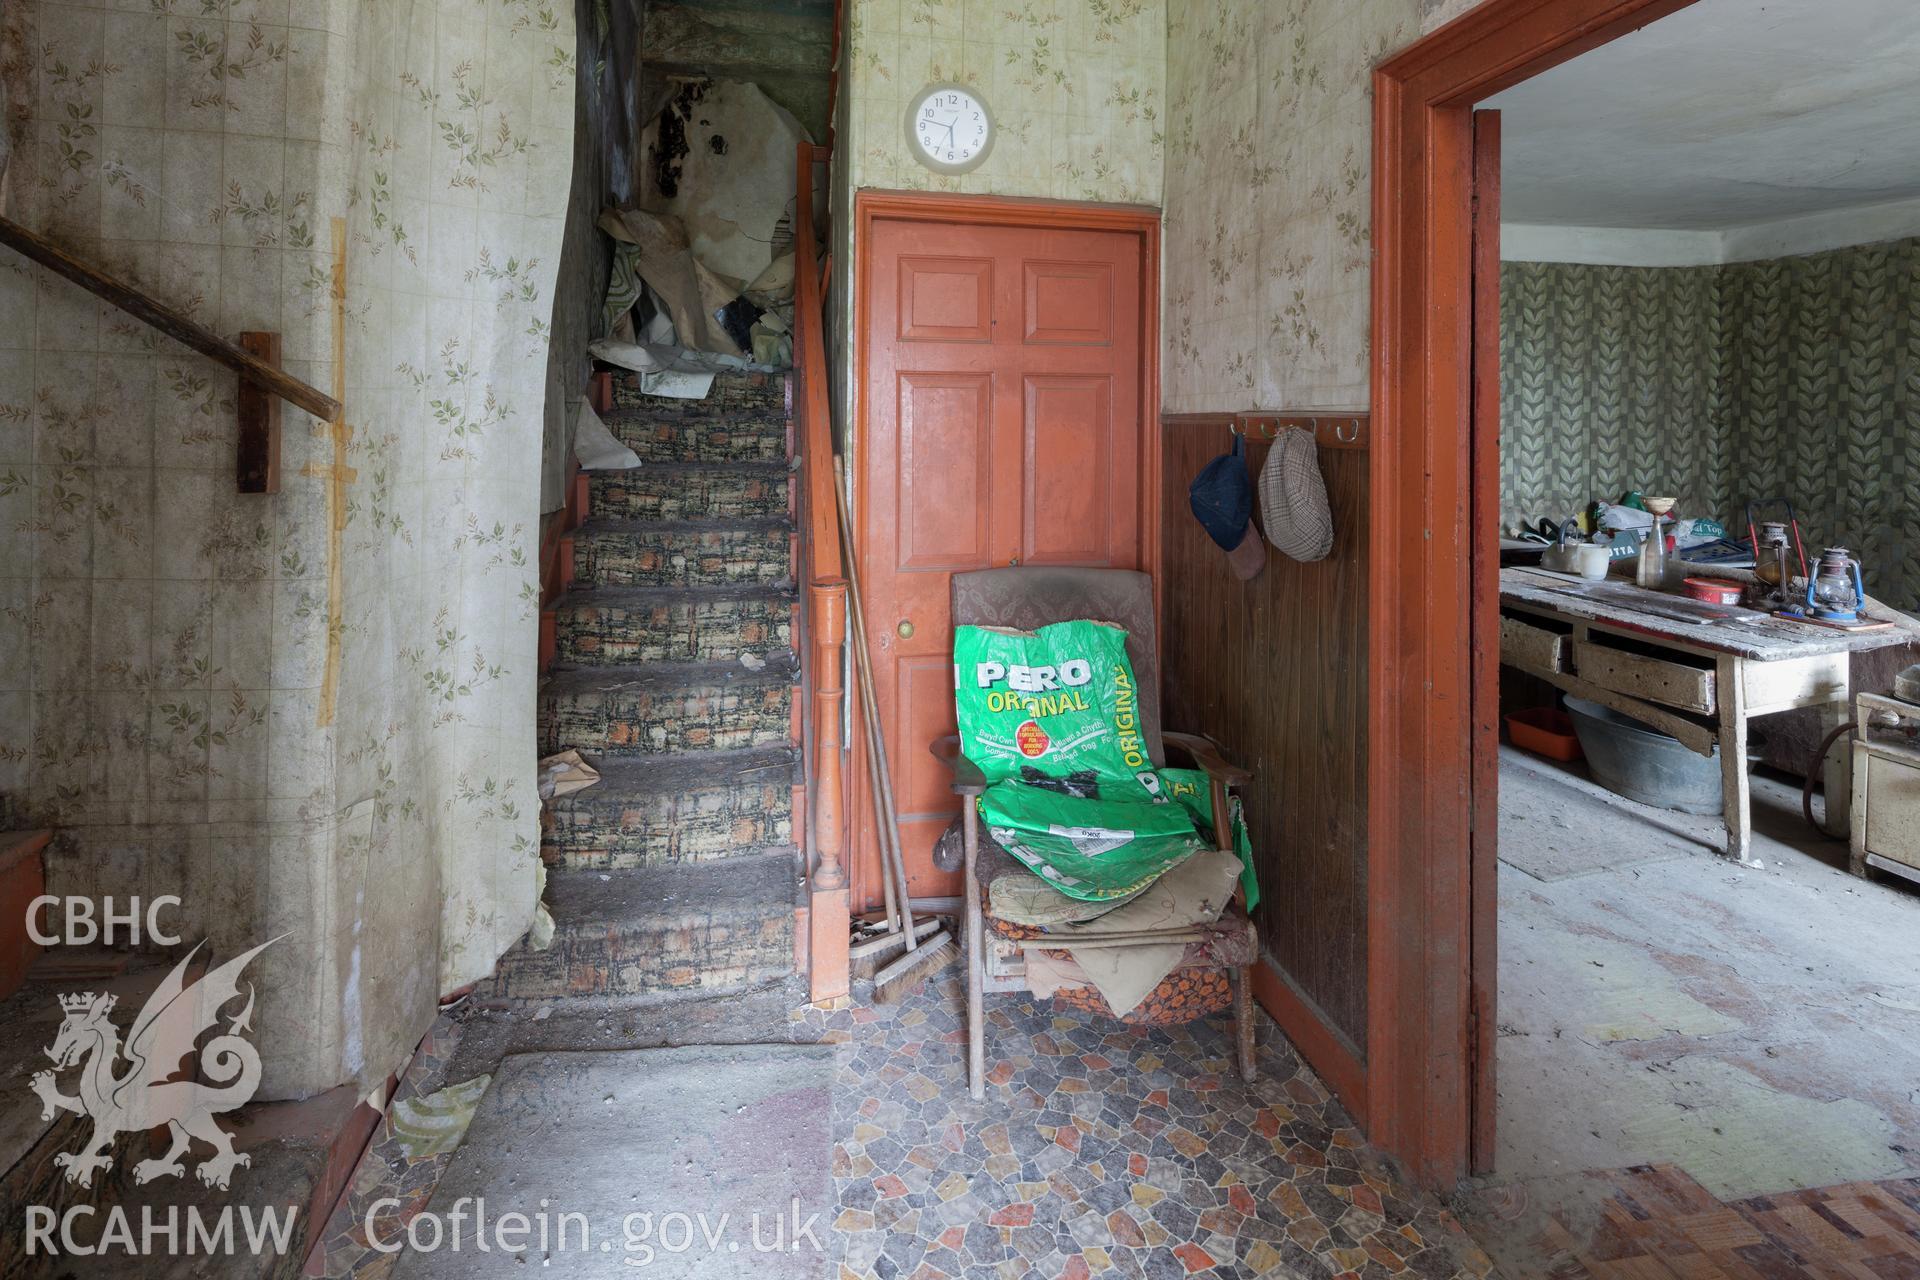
{"x":829,"y":598}
{"x":829,"y":907}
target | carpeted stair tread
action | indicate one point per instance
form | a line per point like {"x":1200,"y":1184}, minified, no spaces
{"x":660,"y":930}
{"x":662,"y":808}
{"x":759,"y":887}
{"x":650,"y":708}
{"x":694,"y":771}
{"x":614,"y":525}
{"x":717,"y":436}
{"x":683,"y":553}
{"x":596,"y":626}
{"x":696,"y":491}
{"x":578,"y":598}
{"x":781,"y":668}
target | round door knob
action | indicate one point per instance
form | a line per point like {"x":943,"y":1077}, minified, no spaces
{"x":905,"y":629}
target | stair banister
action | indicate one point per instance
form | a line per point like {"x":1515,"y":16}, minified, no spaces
{"x":259,"y":443}
{"x":823,"y":568}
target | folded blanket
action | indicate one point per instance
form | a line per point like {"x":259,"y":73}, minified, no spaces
{"x":1194,"y":895}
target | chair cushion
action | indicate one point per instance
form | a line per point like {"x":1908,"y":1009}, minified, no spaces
{"x":1029,"y":598}
{"x":1185,"y":995}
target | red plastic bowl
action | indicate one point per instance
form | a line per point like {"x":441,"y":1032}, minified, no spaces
{"x":1544,"y":731}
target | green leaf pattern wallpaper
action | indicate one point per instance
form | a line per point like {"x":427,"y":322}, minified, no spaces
{"x":1795,"y":377}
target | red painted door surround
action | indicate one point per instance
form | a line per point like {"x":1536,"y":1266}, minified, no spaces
{"x":1431,"y":625}
{"x":1005,"y":421}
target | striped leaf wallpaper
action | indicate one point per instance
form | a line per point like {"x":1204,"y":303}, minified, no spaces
{"x":1797,"y":377}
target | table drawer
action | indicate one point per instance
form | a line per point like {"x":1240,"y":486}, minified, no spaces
{"x":1533,"y":647}
{"x":1665,"y":681}
{"x":1892,"y":817}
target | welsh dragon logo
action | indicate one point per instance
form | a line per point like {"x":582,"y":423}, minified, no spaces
{"x":144,"y":1096}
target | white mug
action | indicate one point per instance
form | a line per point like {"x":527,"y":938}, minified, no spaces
{"x":1591,"y":561}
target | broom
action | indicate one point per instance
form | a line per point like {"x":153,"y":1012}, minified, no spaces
{"x":907,"y":975}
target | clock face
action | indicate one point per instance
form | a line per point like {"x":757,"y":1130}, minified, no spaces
{"x":950,"y":128}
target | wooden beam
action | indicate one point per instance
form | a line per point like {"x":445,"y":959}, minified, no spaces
{"x":259,"y":413}
{"x":180,"y":328}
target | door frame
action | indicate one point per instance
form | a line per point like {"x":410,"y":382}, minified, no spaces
{"x":1425,"y":623}
{"x":871,"y":205}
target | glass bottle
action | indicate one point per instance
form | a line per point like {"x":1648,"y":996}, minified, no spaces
{"x":1651,"y":571}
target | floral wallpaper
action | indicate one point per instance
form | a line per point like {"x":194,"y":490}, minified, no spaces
{"x":1076,"y":88}
{"x":309,"y":714}
{"x":1268,"y":245}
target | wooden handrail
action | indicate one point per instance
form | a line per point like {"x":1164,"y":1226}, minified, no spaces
{"x":811,"y":402}
{"x":180,"y":328}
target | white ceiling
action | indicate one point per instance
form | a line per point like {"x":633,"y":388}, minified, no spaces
{"x":1727,"y":113}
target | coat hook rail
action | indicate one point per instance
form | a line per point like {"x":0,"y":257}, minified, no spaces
{"x":1344,"y":430}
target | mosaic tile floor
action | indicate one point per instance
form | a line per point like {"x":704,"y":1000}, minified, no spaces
{"x":386,"y":1170}
{"x":1100,"y":1150}
{"x":1103,"y":1149}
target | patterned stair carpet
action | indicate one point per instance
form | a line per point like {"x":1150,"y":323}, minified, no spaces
{"x":676,"y":874}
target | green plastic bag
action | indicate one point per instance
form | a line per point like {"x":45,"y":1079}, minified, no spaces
{"x":1088,"y":847}
{"x":1191,"y":789}
{"x":1057,"y":703}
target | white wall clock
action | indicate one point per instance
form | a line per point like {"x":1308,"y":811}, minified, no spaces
{"x":950,"y":128}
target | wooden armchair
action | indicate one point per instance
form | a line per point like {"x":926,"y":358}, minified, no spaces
{"x":1026,"y":599}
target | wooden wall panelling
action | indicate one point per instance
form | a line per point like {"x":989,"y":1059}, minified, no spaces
{"x":1276,"y":671}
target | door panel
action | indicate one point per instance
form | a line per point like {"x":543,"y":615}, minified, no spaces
{"x":1069,"y":302}
{"x":945,"y":470}
{"x":946,"y":299}
{"x":1004,"y":424}
{"x":1067,"y":435}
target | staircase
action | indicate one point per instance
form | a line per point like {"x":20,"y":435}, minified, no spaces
{"x":675,"y":676}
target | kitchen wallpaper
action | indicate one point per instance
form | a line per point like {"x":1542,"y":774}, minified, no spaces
{"x":308,"y":714}
{"x":1613,"y":378}
{"x":1076,"y":87}
{"x":1826,"y":401}
{"x":1795,"y":377}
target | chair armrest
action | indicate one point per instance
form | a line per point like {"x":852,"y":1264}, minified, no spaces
{"x":968,"y":779}
{"x":1208,"y":757}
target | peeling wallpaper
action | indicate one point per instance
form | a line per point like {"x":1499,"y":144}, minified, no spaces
{"x":310,"y":713}
{"x":1076,"y":88}
{"x":1268,"y":241}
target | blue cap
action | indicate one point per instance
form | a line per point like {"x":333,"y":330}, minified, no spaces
{"x":1222,"y":496}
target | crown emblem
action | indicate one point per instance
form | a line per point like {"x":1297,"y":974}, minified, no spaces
{"x":82,"y":1001}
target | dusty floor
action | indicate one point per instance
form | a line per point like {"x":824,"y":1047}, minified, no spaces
{"x":1707,"y":1039}
{"x":1760,"y":1029}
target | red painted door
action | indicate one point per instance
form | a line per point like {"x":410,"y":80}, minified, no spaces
{"x":1004,"y":426}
